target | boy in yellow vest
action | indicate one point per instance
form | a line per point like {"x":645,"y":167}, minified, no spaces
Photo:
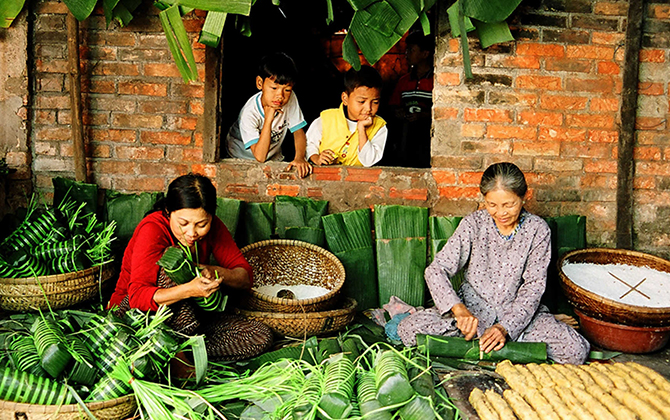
{"x":352,"y":134}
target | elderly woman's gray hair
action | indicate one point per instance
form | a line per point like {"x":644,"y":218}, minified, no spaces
{"x":504,"y":176}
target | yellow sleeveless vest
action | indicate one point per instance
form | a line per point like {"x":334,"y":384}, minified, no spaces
{"x":335,"y":136}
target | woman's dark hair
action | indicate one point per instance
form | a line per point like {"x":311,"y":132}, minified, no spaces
{"x":504,"y":176}
{"x":191,"y":191}
{"x":279,"y":66}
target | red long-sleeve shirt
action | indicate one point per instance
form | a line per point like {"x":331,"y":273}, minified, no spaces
{"x":151,"y":238}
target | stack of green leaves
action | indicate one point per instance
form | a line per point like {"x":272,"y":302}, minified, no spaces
{"x":256,"y":224}
{"x":440,"y":229}
{"x":300,"y":218}
{"x":349,"y":237}
{"x":127,"y":210}
{"x":228,"y":210}
{"x":400,"y":239}
{"x":56,"y":240}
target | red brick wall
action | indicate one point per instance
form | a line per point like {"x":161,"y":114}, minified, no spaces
{"x":142,"y":122}
{"x":548,"y":101}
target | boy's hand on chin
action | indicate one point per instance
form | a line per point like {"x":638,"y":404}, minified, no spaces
{"x":302,"y":166}
{"x":365,"y":122}
{"x":271,"y":111}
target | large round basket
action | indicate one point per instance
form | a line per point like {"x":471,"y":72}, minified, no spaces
{"x":116,"y":409}
{"x":289,"y":262}
{"x":609,"y":310}
{"x":61,"y":290}
{"x":302,"y":325}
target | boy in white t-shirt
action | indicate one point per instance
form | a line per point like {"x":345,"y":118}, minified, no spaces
{"x":262,"y":123}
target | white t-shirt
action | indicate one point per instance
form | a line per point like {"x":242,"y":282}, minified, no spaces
{"x":371,"y":153}
{"x":247,"y":129}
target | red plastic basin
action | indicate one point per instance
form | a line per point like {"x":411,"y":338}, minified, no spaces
{"x":623,"y":338}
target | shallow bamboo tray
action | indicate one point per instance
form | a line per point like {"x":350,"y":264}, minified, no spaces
{"x":290,"y":262}
{"x":609,"y":310}
{"x":116,"y":409}
{"x":62,"y":290}
{"x":306,"y":324}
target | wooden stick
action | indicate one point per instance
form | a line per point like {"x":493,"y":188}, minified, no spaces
{"x":74,"y":76}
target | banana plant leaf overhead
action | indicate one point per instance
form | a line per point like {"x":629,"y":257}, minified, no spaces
{"x":376,"y":26}
{"x":9,"y":10}
{"x":487,"y":17}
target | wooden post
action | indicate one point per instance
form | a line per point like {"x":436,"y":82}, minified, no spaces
{"x":626,"y":165}
{"x":74,"y":76}
{"x":211,"y":132}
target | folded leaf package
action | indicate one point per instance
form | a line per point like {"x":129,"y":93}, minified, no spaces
{"x":349,"y":237}
{"x":228,"y":210}
{"x":256,"y":223}
{"x":300,"y":218}
{"x":440,"y":229}
{"x":400,"y":240}
{"x":459,"y":348}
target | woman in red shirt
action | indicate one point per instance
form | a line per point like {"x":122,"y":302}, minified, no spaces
{"x":186,"y":217}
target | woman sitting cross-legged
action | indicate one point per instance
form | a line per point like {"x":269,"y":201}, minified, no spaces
{"x":186,"y":217}
{"x":505,"y":251}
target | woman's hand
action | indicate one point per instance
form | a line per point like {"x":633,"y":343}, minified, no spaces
{"x":494,"y":338}
{"x":465,"y":321}
{"x":203,"y":286}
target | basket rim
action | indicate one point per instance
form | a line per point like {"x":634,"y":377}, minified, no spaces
{"x":56,"y":278}
{"x":632,"y":328}
{"x":349,"y":306}
{"x":603,"y":300}
{"x":67,"y":408}
{"x":297,"y":302}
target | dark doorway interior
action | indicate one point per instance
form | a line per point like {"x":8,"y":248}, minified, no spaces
{"x":298,"y":28}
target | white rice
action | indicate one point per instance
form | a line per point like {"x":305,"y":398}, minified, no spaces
{"x":301,"y":291}
{"x":599,"y":279}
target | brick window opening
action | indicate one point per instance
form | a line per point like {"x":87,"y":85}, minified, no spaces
{"x":299,"y":29}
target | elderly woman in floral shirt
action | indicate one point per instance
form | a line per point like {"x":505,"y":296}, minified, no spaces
{"x":506,"y":252}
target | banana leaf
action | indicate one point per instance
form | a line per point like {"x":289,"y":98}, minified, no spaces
{"x":441,"y":229}
{"x":80,"y":192}
{"x":349,"y":237}
{"x":393,"y":222}
{"x":567,"y":234}
{"x":210,"y":34}
{"x":9,"y":10}
{"x":179,"y":43}
{"x":457,"y":347}
{"x":401,"y":252}
{"x":490,"y":10}
{"x":257,"y":223}
{"x":228,"y":210}
{"x":127,"y":210}
{"x":306,"y":234}
{"x":300,"y":212}
{"x":81,"y":9}
{"x":492,"y":32}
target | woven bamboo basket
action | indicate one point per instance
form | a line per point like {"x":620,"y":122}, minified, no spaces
{"x":289,"y":262}
{"x":61,"y":290}
{"x":306,"y":324}
{"x":116,"y":409}
{"x":608,"y":310}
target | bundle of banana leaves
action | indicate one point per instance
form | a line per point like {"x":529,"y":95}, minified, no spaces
{"x":336,"y":378}
{"x":68,"y":356}
{"x":55,"y":240}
